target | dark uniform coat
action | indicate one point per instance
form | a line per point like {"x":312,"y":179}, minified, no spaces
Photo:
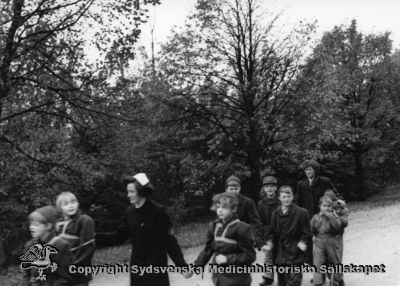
{"x":247,"y":212}
{"x":307,"y":196}
{"x":149,"y":230}
{"x":61,"y":277}
{"x":287,"y":230}
{"x":79,"y":233}
{"x":235,"y":240}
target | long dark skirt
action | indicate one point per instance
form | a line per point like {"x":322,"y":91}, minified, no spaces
{"x":150,"y":279}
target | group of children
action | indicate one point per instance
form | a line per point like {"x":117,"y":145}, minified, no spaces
{"x":277,"y":226}
{"x":281,"y":228}
{"x":70,"y":232}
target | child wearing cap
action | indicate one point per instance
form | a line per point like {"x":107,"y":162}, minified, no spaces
{"x":266,"y":206}
{"x":41,"y":226}
{"x":325,"y":226}
{"x":78,"y":230}
{"x":246,"y":209}
{"x":229,"y":241}
{"x":290,"y":230}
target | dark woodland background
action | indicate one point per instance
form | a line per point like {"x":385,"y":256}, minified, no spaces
{"x":227,"y":93}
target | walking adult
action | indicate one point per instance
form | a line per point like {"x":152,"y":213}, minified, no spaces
{"x":309,"y":191}
{"x":148,"y":227}
{"x":312,"y":188}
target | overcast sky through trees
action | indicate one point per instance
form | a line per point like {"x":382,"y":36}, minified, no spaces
{"x":373,"y":16}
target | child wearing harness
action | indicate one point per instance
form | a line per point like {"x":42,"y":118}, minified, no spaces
{"x":41,"y":226}
{"x":78,"y":229}
{"x":229,"y":242}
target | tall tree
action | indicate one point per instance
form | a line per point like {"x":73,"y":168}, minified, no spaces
{"x":42,"y":49}
{"x":232,"y":70}
{"x":354,"y":104}
{"x":53,"y":102}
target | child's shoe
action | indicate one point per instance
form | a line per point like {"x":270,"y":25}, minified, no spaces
{"x":267,"y":281}
{"x":323,"y":281}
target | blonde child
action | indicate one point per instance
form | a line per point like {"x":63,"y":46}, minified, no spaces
{"x":78,"y":229}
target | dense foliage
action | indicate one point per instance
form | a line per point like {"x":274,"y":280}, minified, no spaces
{"x":228,"y":93}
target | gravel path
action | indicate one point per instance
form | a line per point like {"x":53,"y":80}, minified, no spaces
{"x":371,"y":238}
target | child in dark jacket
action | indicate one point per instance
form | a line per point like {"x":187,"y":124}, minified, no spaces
{"x":266,"y":206}
{"x":246,"y":209}
{"x":41,"y":226}
{"x":78,"y":230}
{"x":325,"y":227}
{"x":229,"y":241}
{"x":290,"y":230}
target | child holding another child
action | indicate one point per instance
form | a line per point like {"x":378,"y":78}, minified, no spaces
{"x":325,"y":226}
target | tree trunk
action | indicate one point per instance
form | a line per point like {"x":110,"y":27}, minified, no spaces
{"x":254,"y":155}
{"x":3,"y":256}
{"x":359,"y":177}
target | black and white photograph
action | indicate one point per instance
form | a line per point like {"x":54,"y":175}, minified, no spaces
{"x":199,"y":143}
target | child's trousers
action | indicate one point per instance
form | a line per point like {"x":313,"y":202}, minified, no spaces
{"x":340,"y":243}
{"x":290,"y":279}
{"x":326,"y":251}
{"x":268,"y":260}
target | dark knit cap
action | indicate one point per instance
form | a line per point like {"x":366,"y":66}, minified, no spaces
{"x":49,"y":213}
{"x":232,"y":179}
{"x":270,"y":180}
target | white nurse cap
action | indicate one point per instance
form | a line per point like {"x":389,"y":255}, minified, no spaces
{"x":142,"y":178}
